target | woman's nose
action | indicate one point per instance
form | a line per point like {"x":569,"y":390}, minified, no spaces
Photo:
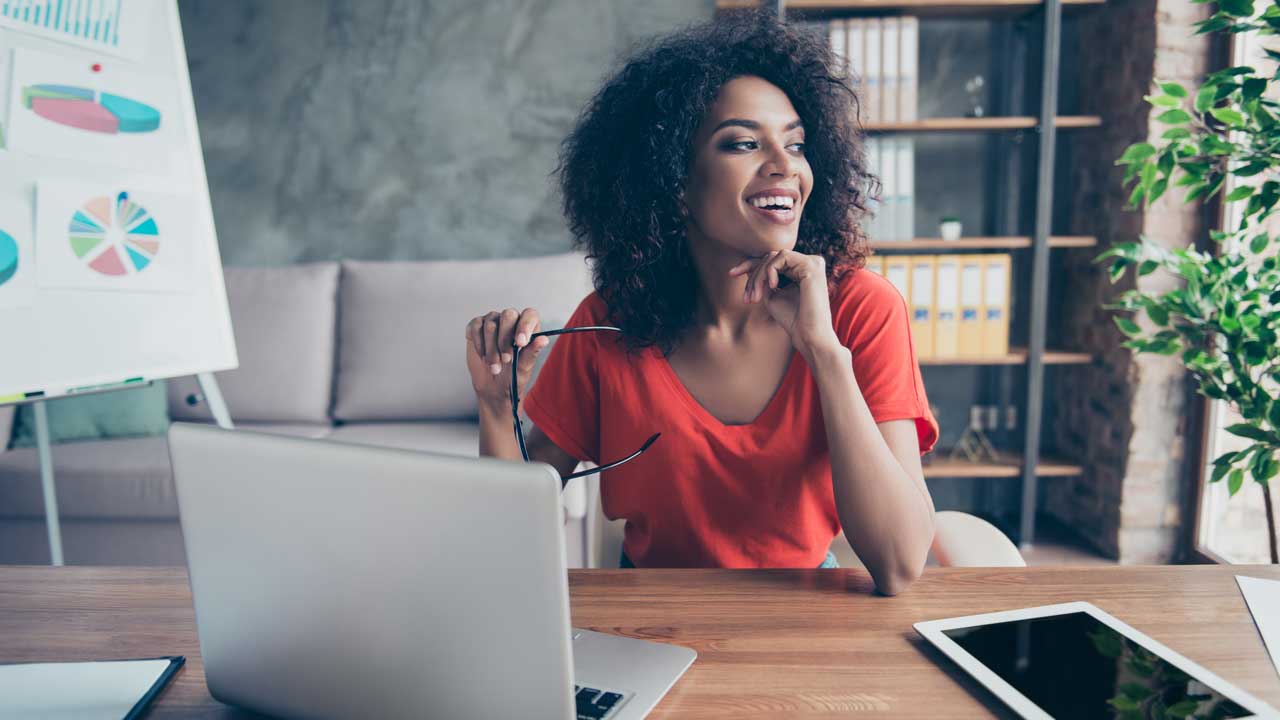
{"x":780,"y":162}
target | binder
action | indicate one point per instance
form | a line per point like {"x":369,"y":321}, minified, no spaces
{"x":889,"y":187}
{"x":897,"y":270}
{"x":946,"y":332}
{"x":839,"y":45}
{"x":889,"y":68}
{"x":873,"y":83}
{"x":908,"y":64}
{"x":995,"y":304}
{"x":970,"y":311}
{"x":855,"y":37}
{"x":905,"y":208}
{"x":923,"y":274}
{"x":875,"y":206}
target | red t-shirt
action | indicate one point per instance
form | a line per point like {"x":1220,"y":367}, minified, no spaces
{"x":708,"y":494}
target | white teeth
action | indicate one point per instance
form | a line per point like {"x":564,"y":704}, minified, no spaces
{"x":783,"y":201}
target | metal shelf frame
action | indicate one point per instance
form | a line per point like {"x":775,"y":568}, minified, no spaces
{"x":1004,"y":216}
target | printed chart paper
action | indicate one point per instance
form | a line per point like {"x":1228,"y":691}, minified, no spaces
{"x":17,"y":255}
{"x":119,"y":238}
{"x":114,"y":26}
{"x":93,"y":112}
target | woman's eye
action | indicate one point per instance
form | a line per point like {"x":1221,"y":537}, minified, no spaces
{"x":752,"y":145}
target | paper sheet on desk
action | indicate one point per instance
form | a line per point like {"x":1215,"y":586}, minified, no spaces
{"x":1263,"y":598}
{"x":83,"y":691}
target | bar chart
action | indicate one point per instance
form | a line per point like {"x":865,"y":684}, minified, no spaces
{"x":88,"y":23}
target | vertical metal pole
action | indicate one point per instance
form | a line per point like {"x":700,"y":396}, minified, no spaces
{"x":1040,"y":268}
{"x":51,"y":523}
{"x":213,"y":398}
{"x":782,"y":10}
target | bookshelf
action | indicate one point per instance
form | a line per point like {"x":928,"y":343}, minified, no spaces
{"x":983,"y":243}
{"x":925,"y":8}
{"x":1025,"y":34}
{"x":982,"y":124}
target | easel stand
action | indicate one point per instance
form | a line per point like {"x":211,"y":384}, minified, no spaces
{"x":212,"y":396}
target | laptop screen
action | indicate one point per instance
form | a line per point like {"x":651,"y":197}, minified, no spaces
{"x":1075,"y":666}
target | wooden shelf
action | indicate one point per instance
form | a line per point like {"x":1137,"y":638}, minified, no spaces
{"x":1016,"y":356}
{"x":1008,"y":466}
{"x":911,"y":7}
{"x":983,"y":243}
{"x":982,"y":124}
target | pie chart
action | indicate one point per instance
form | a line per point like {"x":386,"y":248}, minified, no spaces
{"x":90,"y":110}
{"x":8,"y":257}
{"x":114,"y":237}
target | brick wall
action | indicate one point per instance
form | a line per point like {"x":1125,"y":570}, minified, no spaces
{"x":1123,"y":416}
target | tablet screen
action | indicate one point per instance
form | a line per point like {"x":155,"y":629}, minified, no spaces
{"x":1075,"y":666}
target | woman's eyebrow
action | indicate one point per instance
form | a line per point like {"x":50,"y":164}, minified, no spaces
{"x":751,"y":124}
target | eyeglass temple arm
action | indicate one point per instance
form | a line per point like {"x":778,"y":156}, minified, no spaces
{"x":615,"y":463}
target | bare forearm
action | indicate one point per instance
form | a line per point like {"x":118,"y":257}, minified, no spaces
{"x":497,"y":439}
{"x":887,"y":518}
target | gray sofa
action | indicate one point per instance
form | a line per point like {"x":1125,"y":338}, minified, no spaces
{"x":367,"y":352}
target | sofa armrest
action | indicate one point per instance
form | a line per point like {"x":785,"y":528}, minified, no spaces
{"x":7,"y":413}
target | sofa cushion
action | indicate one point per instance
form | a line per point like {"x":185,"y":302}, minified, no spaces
{"x":402,"y":328}
{"x":135,"y":412}
{"x":284,"y":320}
{"x":107,"y":479}
{"x":120,"y":478}
{"x":450,"y":438}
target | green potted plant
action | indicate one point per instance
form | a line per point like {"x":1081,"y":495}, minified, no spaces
{"x":1223,"y":319}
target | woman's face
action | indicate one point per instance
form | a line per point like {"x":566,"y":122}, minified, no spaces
{"x":750,"y":179}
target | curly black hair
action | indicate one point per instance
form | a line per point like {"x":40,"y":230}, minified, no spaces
{"x":625,"y":164}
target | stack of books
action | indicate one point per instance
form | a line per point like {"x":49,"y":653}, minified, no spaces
{"x":882,"y":54}
{"x":958,"y":304}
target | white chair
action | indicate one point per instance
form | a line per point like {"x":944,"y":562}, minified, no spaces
{"x":959,"y":540}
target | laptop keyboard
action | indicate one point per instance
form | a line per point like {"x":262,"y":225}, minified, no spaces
{"x":594,"y":704}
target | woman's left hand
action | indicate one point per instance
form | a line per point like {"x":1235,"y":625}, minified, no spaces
{"x":803,"y":308}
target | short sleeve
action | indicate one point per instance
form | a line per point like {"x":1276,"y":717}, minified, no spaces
{"x":870,"y":317}
{"x":564,"y":401}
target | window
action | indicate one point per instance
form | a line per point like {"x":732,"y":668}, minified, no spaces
{"x":1234,"y":529}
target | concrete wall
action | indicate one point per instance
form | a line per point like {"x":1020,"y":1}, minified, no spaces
{"x":398,"y":129}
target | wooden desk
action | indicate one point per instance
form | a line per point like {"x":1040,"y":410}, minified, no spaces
{"x":771,"y":643}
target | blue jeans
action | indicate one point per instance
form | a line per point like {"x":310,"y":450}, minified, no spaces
{"x":829,"y":562}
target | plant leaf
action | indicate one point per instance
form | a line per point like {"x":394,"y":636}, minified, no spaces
{"x":1136,"y":152}
{"x":1227,"y":116}
{"x":1173,"y":89}
{"x":1234,"y":481}
{"x":1204,"y":97}
{"x":1127,"y":326}
{"x":1174,"y":117}
{"x":1245,"y":430}
{"x":1239,"y":193}
{"x":1238,"y":8}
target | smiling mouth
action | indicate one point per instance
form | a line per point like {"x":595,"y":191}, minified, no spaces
{"x":775,"y":213}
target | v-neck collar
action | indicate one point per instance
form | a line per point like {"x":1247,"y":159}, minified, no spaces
{"x":772,"y":408}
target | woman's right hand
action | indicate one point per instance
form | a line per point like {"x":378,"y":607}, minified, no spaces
{"x":489,"y":341}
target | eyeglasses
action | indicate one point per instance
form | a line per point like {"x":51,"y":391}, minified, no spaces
{"x":515,"y":401}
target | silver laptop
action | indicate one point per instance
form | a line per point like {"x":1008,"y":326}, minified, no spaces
{"x":335,"y":580}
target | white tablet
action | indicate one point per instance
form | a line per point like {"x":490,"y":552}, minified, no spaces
{"x":1076,"y":661}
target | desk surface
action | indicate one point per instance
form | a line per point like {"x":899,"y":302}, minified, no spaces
{"x":770,"y":643}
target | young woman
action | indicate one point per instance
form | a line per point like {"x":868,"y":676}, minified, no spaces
{"x":718,"y":182}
